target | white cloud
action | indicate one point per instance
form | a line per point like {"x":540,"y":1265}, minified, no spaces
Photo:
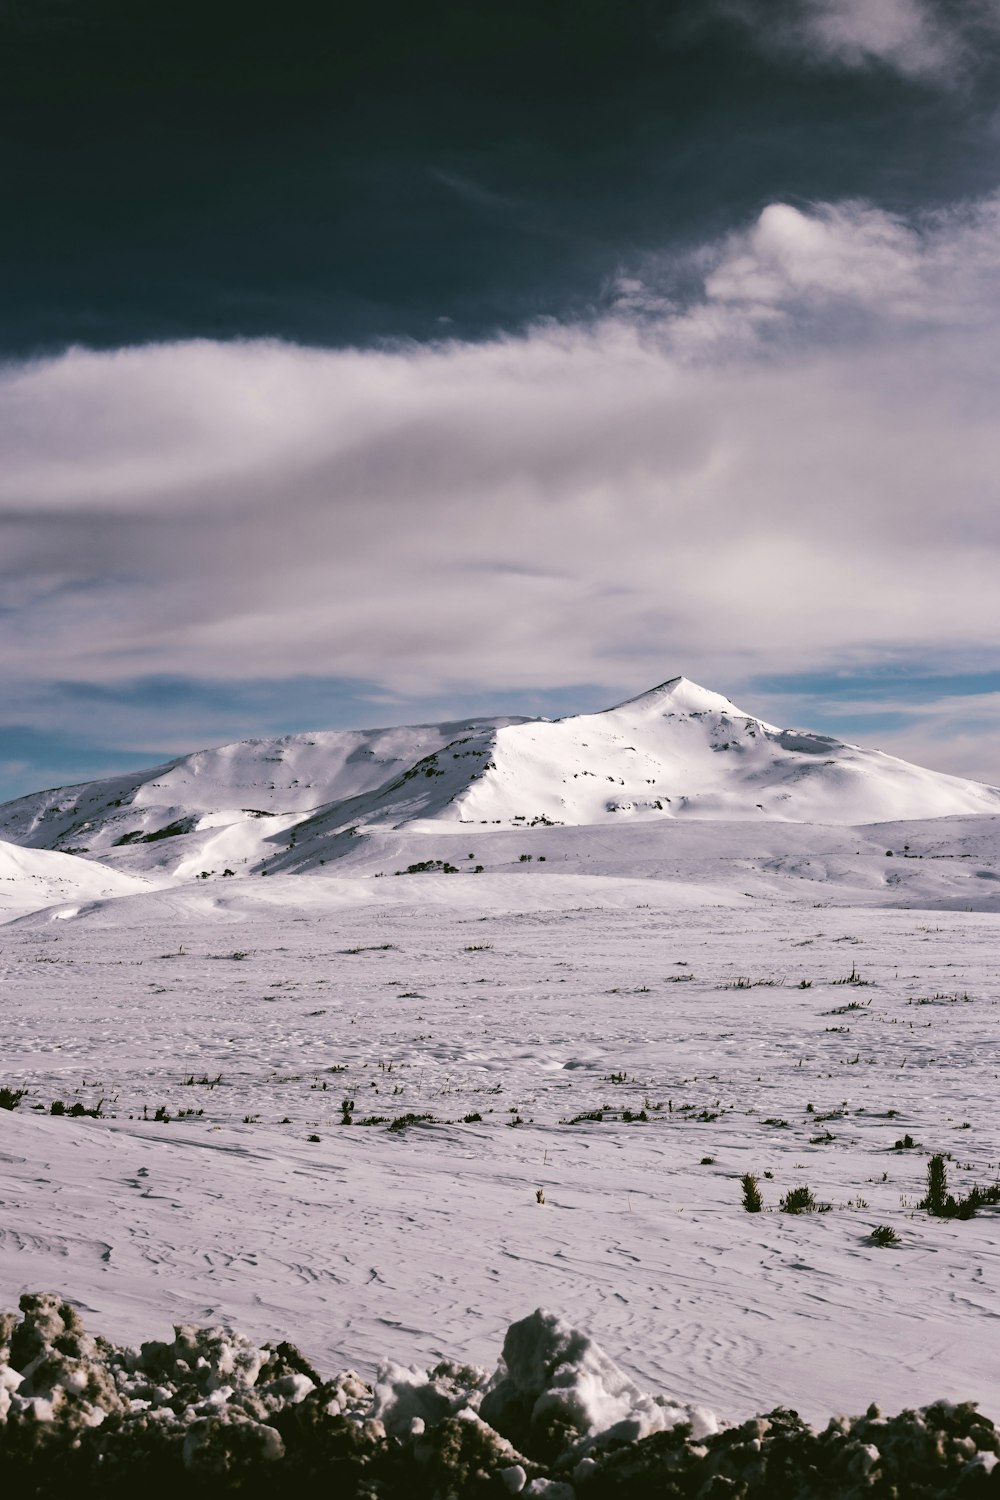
{"x":923,"y":39}
{"x":906,"y":34}
{"x":799,"y":469}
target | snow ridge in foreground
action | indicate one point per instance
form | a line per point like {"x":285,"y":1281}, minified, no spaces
{"x":559,"y":1419}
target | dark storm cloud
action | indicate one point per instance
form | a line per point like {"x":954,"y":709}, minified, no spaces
{"x":345,"y":174}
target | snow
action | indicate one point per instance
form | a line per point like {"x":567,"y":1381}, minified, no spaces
{"x":277,"y":1429}
{"x":628,"y":1021}
{"x":553,"y":1371}
{"x":33,"y":878}
{"x":677,"y":754}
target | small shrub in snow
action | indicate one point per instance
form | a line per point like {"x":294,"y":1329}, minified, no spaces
{"x":944,"y":1205}
{"x":426,"y":866}
{"x":798,"y":1200}
{"x":77,"y":1111}
{"x":752,"y":1200}
{"x":403,"y":1122}
{"x":853,"y":978}
{"x":884,"y":1235}
{"x":11,"y":1098}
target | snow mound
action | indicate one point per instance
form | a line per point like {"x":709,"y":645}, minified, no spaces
{"x":554,"y":1378}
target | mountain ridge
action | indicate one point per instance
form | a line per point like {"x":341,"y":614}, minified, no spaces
{"x":675,"y":752}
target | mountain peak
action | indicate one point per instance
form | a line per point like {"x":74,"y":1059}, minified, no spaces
{"x":680,"y":695}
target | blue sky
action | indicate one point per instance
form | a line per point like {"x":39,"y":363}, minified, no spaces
{"x":395,"y":367}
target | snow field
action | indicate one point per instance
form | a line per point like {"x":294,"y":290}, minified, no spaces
{"x":529,"y":1002}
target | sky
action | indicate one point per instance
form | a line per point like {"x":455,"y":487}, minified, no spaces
{"x":434,"y":360}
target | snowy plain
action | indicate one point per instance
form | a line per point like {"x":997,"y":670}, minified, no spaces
{"x":720,"y":996}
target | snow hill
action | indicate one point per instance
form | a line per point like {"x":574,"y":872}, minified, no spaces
{"x":33,"y":878}
{"x":678,"y":752}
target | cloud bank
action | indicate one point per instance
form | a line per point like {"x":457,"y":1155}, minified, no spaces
{"x":794,"y":468}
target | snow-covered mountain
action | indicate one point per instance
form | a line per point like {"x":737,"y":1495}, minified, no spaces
{"x":677,"y":752}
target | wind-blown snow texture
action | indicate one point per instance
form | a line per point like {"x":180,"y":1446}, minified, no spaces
{"x":326,"y":1106}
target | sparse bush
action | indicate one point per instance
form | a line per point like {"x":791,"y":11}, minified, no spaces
{"x":426,"y":866}
{"x":884,"y":1235}
{"x":11,"y":1098}
{"x":945,"y":1205}
{"x":853,"y":978}
{"x":402,"y":1122}
{"x":752,"y":1200}
{"x":798,"y":1200}
{"x":76,"y":1111}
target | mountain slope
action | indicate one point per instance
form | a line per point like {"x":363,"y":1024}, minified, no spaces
{"x":682,"y":751}
{"x":677,"y":752}
{"x":234,"y":800}
{"x":33,"y":878}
